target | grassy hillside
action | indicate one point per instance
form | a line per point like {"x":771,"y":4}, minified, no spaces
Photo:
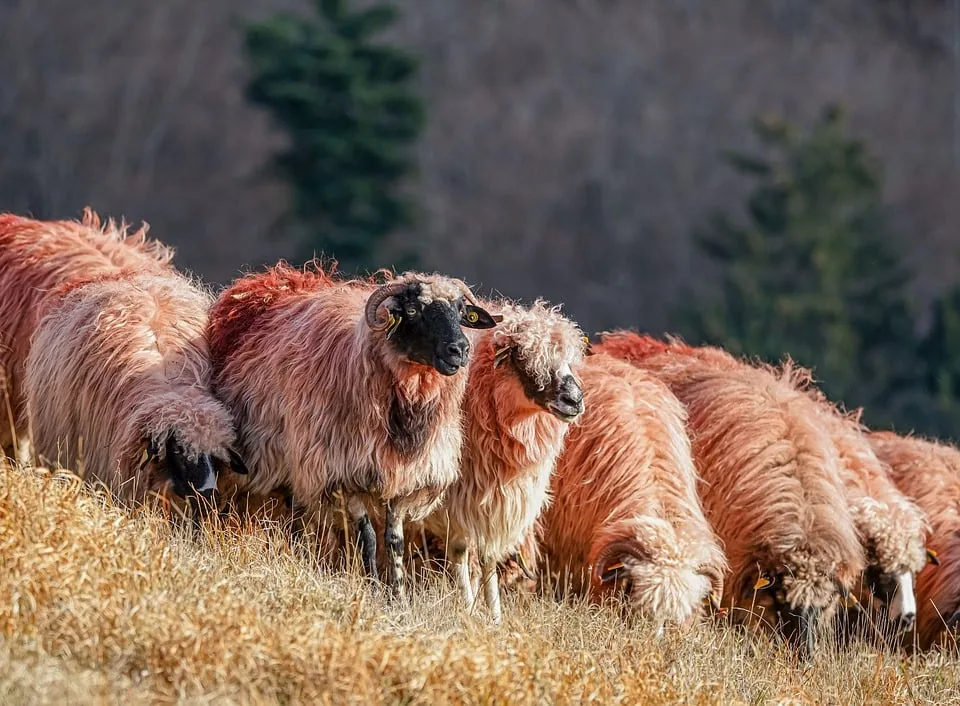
{"x":102,"y":606}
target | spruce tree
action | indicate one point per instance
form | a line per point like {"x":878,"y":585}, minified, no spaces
{"x":811,"y":272}
{"x":346,"y":103}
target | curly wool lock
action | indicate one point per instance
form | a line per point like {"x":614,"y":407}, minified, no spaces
{"x":544,"y":338}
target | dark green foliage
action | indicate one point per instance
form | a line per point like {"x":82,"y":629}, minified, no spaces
{"x":811,"y":272}
{"x":939,"y":368}
{"x":347,"y":105}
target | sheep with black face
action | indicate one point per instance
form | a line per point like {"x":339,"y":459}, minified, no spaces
{"x":348,"y":387}
{"x":118,"y":387}
{"x":522,"y":395}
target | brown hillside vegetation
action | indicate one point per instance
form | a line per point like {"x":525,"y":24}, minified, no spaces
{"x":104,"y":606}
{"x":570,"y":148}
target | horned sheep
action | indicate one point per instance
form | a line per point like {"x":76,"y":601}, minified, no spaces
{"x":521,"y":397}
{"x":348,"y":387}
{"x":118,"y":387}
{"x":625,"y":515}
{"x":772,"y":486}
{"x":36,"y":257}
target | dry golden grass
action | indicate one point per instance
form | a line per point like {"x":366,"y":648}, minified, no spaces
{"x":101,"y":605}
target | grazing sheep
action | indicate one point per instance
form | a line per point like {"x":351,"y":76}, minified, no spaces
{"x":772,"y":485}
{"x":118,"y":387}
{"x":348,"y":386}
{"x":928,"y":472}
{"x":892,"y":529}
{"x":521,"y":395}
{"x":625,"y":515}
{"x":35,"y":258}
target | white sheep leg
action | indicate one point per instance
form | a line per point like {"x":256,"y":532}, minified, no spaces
{"x":460,"y":563}
{"x":393,"y":542}
{"x":491,"y":588}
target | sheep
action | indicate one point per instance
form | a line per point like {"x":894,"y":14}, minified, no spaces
{"x":522,"y":395}
{"x":35,"y":258}
{"x":118,"y":383}
{"x":345,"y":386}
{"x":892,"y":529}
{"x":772,"y":485}
{"x":625,"y":516}
{"x":928,"y":472}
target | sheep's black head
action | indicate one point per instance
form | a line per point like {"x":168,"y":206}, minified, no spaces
{"x":544,"y":348}
{"x":424,"y":318}
{"x":192,"y":476}
{"x":895,"y":591}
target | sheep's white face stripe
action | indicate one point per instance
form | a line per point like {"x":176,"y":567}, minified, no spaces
{"x":904,"y":602}
{"x":565,"y":370}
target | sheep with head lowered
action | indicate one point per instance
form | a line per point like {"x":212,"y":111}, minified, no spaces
{"x":625,"y":517}
{"x":771,"y":486}
{"x":118,"y":388}
{"x":928,"y":472}
{"x":348,"y":387}
{"x":521,"y":397}
{"x":37,"y":257}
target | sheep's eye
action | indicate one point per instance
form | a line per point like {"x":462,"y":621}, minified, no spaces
{"x":473,"y":317}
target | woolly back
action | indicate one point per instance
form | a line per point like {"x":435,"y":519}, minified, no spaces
{"x":118,"y":361}
{"x":248,"y":298}
{"x":928,"y":472}
{"x":36,"y":257}
{"x":627,"y":475}
{"x":648,"y":351}
{"x":772,"y":485}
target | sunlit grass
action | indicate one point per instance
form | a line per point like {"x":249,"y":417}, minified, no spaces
{"x":103,"y":605}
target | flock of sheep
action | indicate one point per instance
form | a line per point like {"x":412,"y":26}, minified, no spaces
{"x":693,"y":485}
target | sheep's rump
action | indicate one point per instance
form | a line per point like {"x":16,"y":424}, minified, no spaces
{"x":928,"y":472}
{"x":36,"y":257}
{"x":118,"y":360}
{"x":626,"y":478}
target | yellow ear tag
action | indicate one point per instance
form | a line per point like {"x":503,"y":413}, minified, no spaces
{"x":145,"y":458}
{"x":849,"y":600}
{"x":394,"y":325}
{"x":762,"y":582}
{"x":932,"y":558}
{"x":500,"y":356}
{"x":611,"y":573}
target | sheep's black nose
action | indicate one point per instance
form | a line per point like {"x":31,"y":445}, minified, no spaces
{"x":907,"y":621}
{"x":458,"y":349}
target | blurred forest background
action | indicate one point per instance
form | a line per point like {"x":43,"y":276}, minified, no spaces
{"x":776,"y":177}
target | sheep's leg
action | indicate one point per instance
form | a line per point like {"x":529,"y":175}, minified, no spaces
{"x":393,"y":542}
{"x":491,"y":587}
{"x":368,"y":536}
{"x":459,"y":558}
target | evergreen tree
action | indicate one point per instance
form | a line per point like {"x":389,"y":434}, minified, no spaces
{"x":939,"y":357}
{"x":347,"y":105}
{"x":811,"y":272}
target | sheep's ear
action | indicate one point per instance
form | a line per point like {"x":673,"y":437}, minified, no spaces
{"x":763,"y":581}
{"x":150,"y":453}
{"x":588,"y":349}
{"x":500,"y":355}
{"x":236,"y":462}
{"x":476,"y":317}
{"x":932,"y":558}
{"x":611,"y":573}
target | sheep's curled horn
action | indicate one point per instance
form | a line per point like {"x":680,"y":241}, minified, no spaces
{"x":380,"y":295}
